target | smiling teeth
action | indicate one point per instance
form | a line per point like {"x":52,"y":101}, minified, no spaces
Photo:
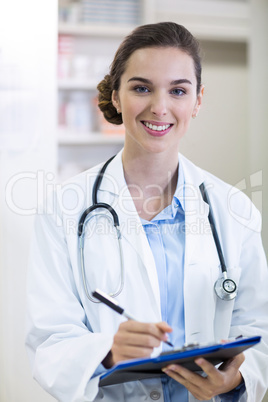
{"x":157,"y":128}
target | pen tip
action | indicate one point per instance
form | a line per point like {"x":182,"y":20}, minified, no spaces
{"x":169,"y":343}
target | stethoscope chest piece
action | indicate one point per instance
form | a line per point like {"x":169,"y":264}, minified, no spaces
{"x":225,"y":288}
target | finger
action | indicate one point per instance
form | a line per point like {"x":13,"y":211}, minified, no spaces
{"x":225,"y":379}
{"x":230,"y":364}
{"x":200,"y":387}
{"x":199,"y":392}
{"x":164,"y":329}
{"x":157,"y":330}
{"x":163,"y":326}
{"x":208,"y":368}
{"x":127,"y":352}
{"x":136,"y":339}
{"x":184,"y":376}
{"x":193,"y":382}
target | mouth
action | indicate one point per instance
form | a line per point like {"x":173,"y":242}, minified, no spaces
{"x":157,"y":129}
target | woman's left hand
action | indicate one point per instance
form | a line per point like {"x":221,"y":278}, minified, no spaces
{"x":218,"y":381}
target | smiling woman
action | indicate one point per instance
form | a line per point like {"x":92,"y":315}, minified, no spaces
{"x":162,"y":265}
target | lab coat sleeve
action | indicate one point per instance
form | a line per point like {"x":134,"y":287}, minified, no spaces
{"x":250,"y":315}
{"x":64,"y":353}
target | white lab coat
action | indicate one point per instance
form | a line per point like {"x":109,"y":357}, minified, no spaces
{"x":68,"y":336}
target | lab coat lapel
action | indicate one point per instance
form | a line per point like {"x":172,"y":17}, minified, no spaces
{"x":114,"y":191}
{"x":199,"y":312}
{"x":196,"y":210}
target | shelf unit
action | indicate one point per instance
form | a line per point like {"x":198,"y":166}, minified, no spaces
{"x":82,"y":147}
{"x":73,"y":138}
{"x":94,"y":30}
{"x":74,"y":84}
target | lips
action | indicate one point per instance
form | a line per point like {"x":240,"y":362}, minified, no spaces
{"x":157,"y":129}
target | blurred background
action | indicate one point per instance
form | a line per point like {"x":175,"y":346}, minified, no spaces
{"x":51,"y":58}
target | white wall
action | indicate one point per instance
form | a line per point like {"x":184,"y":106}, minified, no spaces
{"x":258,"y":90}
{"x":28,"y":32}
{"x":217,"y":140}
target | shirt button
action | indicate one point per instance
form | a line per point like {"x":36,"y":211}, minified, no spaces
{"x":155,"y":395}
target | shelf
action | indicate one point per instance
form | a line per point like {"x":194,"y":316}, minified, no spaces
{"x":209,"y":20}
{"x":220,"y":32}
{"x":71,"y":138}
{"x":73,"y":84}
{"x":96,"y":30}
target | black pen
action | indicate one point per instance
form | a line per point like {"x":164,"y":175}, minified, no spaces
{"x":104,"y":298}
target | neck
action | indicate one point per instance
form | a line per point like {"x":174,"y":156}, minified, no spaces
{"x":144,"y":168}
{"x":151,"y":179}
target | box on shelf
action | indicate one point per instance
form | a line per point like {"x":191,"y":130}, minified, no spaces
{"x":65,"y":55}
{"x":100,"y":11}
{"x":75,"y":112}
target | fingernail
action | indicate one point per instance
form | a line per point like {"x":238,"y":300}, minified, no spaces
{"x":199,"y":361}
{"x":166,"y":370}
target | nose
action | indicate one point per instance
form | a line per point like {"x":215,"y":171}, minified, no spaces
{"x":159,"y":105}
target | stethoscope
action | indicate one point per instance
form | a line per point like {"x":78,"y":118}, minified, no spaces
{"x":225,"y":288}
{"x":81,"y":233}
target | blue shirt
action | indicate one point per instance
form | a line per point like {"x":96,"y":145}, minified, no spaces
{"x":166,"y":236}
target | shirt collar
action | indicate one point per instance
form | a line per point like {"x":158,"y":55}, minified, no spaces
{"x":179,"y":195}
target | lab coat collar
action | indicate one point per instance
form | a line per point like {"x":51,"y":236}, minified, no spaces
{"x":114,"y":180}
{"x":178,"y":198}
{"x":196,"y":210}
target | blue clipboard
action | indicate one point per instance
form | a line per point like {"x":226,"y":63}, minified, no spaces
{"x":139,"y":369}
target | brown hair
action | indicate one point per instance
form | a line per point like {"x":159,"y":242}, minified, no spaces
{"x":162,"y":34}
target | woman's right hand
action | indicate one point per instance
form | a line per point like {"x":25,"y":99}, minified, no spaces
{"x":136,"y":339}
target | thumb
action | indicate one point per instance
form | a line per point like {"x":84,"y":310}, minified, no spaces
{"x":233,"y":363}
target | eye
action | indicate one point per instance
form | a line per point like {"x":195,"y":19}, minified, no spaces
{"x":141,"y":89}
{"x":178,"y":92}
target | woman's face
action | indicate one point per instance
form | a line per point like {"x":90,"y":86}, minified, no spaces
{"x":157,"y":98}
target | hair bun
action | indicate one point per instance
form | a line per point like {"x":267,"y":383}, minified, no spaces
{"x":105,"y":101}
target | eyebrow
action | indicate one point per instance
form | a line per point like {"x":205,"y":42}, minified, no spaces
{"x":175,"y":82}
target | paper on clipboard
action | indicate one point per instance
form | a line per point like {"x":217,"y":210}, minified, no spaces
{"x":139,"y":369}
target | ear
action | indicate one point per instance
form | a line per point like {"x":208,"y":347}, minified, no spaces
{"x":198,"y":102}
{"x":116,"y":101}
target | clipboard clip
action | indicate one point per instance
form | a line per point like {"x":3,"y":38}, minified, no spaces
{"x":190,"y":346}
{"x":194,"y":345}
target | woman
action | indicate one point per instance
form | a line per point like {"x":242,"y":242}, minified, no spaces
{"x":170,"y":262}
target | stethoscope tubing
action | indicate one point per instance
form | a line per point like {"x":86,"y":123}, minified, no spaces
{"x":81,"y":226}
{"x":92,"y":208}
{"x":213,"y":227}
{"x":221,"y":285}
{"x":98,"y":181}
{"x":82,"y":258}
